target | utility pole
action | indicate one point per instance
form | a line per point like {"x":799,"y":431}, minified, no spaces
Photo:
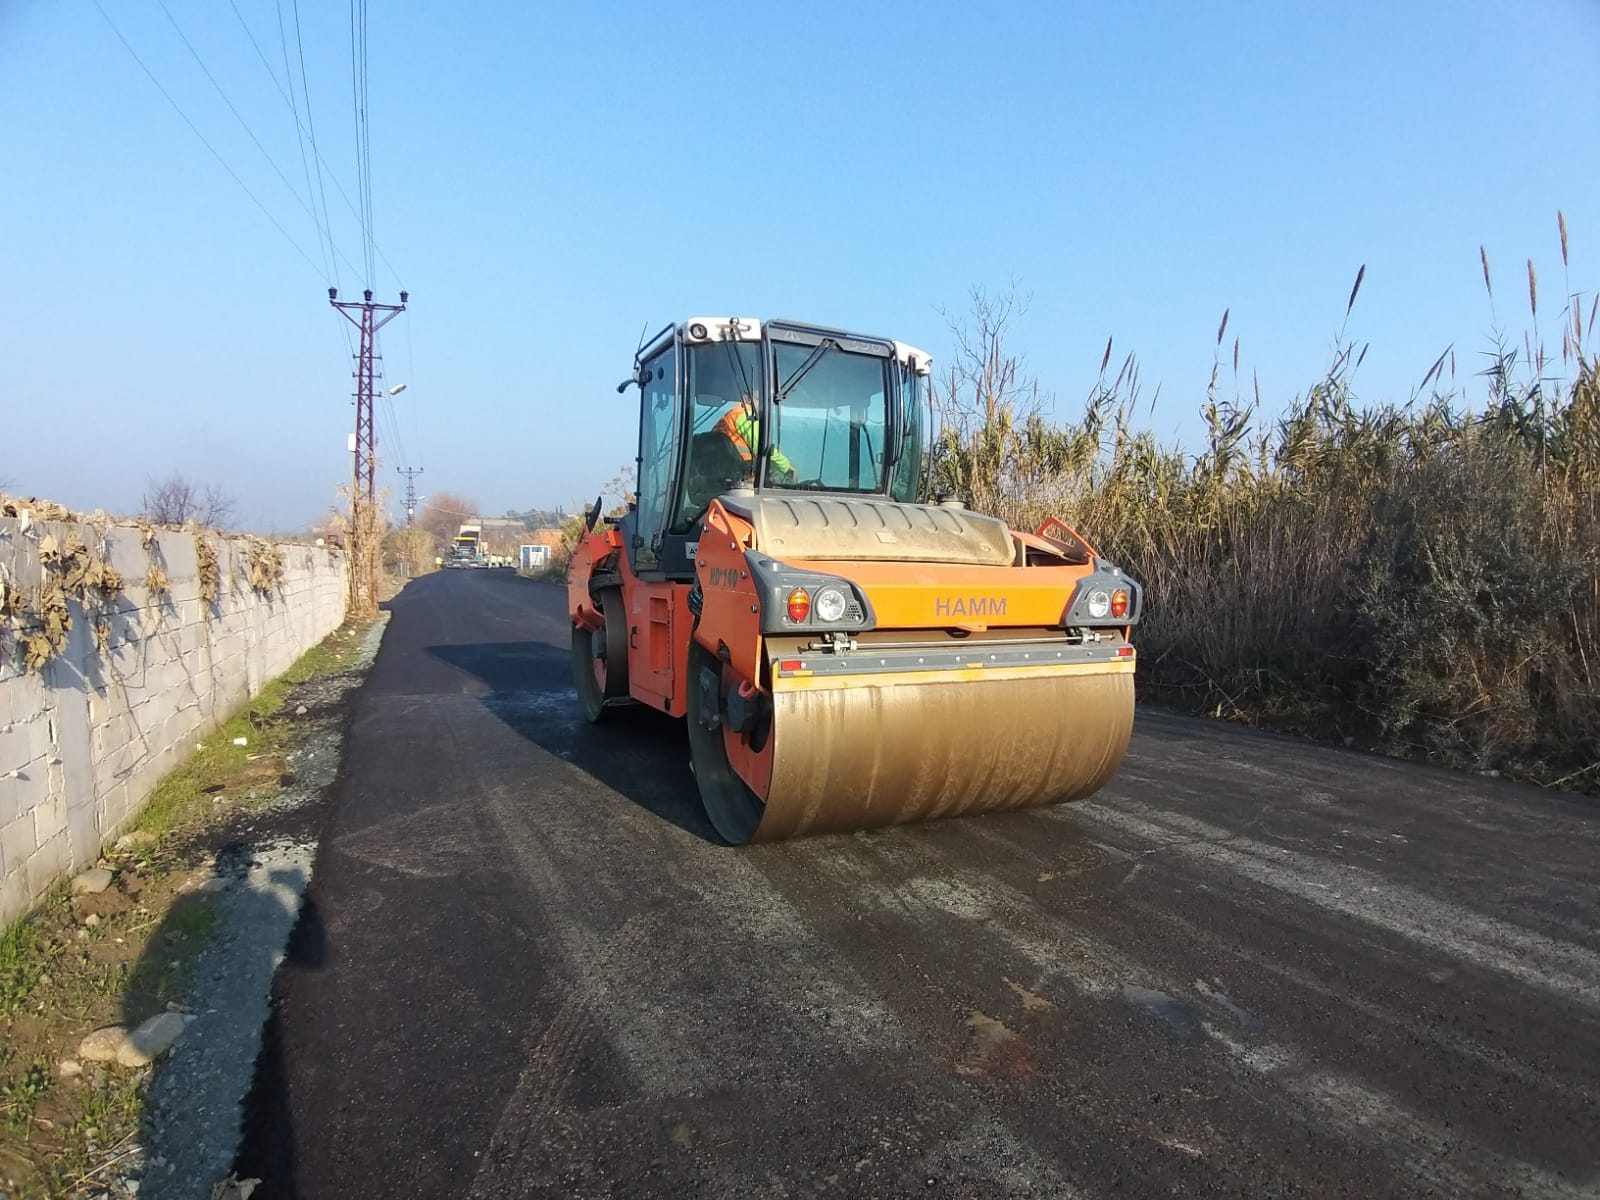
{"x":368,"y":318}
{"x":411,"y":474}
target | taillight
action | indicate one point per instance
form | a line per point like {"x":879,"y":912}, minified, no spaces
{"x":799,"y":605}
{"x":1119,"y":603}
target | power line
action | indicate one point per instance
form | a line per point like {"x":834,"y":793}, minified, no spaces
{"x":355,"y":110}
{"x":366,"y":142}
{"x":311,"y":124}
{"x":358,"y":105}
{"x":301,"y":129}
{"x":324,"y":235}
{"x":261,"y":54}
{"x":195,"y":129}
{"x":245,"y":125}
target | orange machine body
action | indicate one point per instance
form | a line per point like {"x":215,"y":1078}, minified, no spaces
{"x":905,"y":596}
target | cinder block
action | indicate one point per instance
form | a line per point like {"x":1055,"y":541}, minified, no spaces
{"x":16,"y":843}
{"x":23,"y":566}
{"x":184,"y":601}
{"x":26,"y":790}
{"x":161,"y":706}
{"x":191,"y":637}
{"x":131,"y":693}
{"x":16,"y":746}
{"x":38,"y":731}
{"x":197,"y":665}
{"x":115,"y":806}
{"x":126,"y":553}
{"x":104,"y":777}
{"x":74,"y":749}
{"x":14,"y":898}
{"x":117,"y":728}
{"x":49,"y":819}
{"x":177,"y":551}
{"x":47,"y":864}
{"x":84,"y":829}
{"x":181,"y":730}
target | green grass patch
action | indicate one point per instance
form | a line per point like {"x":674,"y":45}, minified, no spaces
{"x":20,"y":1097}
{"x":218,"y":761}
{"x":97,"y":1140}
{"x":23,"y":954}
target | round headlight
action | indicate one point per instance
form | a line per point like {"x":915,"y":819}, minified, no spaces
{"x":829,"y":605}
{"x":697,"y":331}
{"x":1099,"y":604}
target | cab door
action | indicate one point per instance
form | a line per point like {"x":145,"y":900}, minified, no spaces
{"x":654,"y":602}
{"x":660,"y":443}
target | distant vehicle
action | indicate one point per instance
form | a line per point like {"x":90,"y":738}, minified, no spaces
{"x":467,"y":548}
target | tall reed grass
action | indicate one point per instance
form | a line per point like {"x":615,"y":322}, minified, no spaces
{"x":1420,"y":578}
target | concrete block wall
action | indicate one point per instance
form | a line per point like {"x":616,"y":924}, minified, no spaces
{"x":83,"y":742}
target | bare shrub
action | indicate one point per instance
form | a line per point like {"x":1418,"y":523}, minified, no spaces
{"x":177,"y":500}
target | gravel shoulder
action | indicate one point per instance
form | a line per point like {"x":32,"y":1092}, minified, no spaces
{"x":195,"y":1098}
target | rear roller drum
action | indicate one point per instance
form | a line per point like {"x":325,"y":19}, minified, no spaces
{"x":600,"y":660}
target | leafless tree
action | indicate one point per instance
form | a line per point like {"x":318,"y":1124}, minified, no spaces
{"x":175,"y":501}
{"x":442,"y":513}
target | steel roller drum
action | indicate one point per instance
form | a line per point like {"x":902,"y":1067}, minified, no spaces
{"x":859,"y":753}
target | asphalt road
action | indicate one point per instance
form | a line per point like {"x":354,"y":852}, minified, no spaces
{"x":1251,"y":965}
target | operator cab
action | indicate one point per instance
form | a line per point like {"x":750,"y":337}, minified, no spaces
{"x":811,"y":410}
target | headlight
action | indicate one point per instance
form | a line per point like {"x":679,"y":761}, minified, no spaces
{"x":829,"y":605}
{"x":1099,"y":604}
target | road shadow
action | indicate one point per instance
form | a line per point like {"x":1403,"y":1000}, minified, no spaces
{"x":636,"y":751}
{"x":266,"y":1150}
{"x":209,"y":964}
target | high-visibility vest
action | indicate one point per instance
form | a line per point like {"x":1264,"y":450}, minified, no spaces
{"x":744,"y":431}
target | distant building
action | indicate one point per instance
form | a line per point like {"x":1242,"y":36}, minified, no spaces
{"x":543,"y":537}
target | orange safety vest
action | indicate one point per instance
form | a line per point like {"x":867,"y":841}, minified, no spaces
{"x":744,"y":431}
{"x":740,"y":429}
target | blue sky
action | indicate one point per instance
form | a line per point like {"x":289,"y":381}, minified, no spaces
{"x":549,"y":179}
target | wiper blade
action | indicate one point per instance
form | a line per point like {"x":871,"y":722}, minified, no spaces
{"x":789,"y":384}
{"x":738,"y":361}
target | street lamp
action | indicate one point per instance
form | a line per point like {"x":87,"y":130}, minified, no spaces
{"x":397,"y":389}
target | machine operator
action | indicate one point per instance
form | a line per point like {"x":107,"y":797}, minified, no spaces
{"x":741,"y":427}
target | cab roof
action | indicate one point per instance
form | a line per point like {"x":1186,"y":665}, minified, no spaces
{"x":748,"y":329}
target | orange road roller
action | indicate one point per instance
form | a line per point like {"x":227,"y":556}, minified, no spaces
{"x":845,"y":656}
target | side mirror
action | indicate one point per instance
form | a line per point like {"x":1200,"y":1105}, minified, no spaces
{"x":640,"y":378}
{"x":594,"y":513}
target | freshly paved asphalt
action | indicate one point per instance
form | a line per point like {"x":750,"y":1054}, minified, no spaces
{"x":1251,"y":965}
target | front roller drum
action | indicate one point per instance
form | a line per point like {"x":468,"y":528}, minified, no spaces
{"x":716,"y":744}
{"x":869,"y":753}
